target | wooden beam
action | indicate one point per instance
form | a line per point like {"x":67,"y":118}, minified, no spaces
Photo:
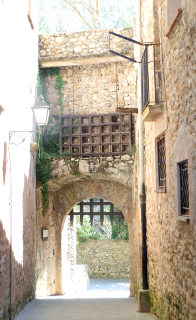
{"x":127,"y":110}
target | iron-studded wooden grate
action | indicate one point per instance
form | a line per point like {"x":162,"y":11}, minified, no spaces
{"x":95,"y":207}
{"x":161,"y":161}
{"x":184,"y":187}
{"x":97,"y":134}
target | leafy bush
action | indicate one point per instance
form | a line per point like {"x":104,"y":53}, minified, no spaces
{"x":119,"y":229}
{"x":86,"y":231}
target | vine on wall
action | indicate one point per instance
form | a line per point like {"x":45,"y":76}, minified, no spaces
{"x":49,"y":146}
{"x":41,"y":84}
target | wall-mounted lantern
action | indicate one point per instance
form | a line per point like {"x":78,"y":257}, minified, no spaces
{"x":41,"y":111}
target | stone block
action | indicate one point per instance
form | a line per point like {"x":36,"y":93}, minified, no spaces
{"x":125,"y":157}
{"x":144,"y":301}
{"x":83,"y":166}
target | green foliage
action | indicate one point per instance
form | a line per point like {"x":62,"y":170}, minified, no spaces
{"x":86,"y":231}
{"x":132,"y":150}
{"x":43,"y":73}
{"x":74,"y":168}
{"x":119,"y":229}
{"x":48,"y":149}
{"x":43,"y":167}
{"x":49,"y":142}
{"x":50,"y":71}
{"x":59,"y":86}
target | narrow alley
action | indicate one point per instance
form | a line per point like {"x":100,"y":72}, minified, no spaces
{"x":82,"y":309}
{"x":104,"y":300}
{"x":98,"y":160}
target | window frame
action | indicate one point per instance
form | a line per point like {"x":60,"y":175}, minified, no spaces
{"x":160,"y":187}
{"x":183,"y":212}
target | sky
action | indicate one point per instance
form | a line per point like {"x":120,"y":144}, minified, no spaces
{"x":56,"y":16}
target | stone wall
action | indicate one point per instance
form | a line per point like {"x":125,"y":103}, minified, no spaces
{"x":100,"y":84}
{"x":82,"y":44}
{"x":17,"y":162}
{"x":99,"y":88}
{"x":117,"y":168}
{"x":105,"y":258}
{"x":170,"y":240}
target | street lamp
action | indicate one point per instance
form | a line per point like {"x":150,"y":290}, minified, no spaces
{"x":41,"y":111}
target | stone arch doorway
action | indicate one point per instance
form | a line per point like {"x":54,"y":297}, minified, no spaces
{"x":64,"y":195}
{"x":95,"y":247}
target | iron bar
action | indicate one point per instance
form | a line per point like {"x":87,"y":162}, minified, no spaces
{"x":92,"y":211}
{"x":134,"y":41}
{"x":161,"y":161}
{"x":71,"y":218}
{"x":184,"y":187}
{"x":112,"y":214}
{"x":97,"y":213}
{"x":123,"y":56}
{"x":81,"y":215}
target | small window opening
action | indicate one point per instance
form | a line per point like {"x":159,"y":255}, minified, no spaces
{"x":161,"y":155}
{"x":184,"y":187}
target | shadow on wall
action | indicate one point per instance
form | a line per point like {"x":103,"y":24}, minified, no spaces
{"x":5,"y":275}
{"x":22,"y":279}
{"x":29,"y":236}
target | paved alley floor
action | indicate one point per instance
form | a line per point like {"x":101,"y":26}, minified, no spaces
{"x":104,"y":300}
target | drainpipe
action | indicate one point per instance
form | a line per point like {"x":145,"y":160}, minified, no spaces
{"x":142,"y":194}
{"x":10,"y":253}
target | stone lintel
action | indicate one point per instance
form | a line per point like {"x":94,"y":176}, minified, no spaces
{"x":144,"y":301}
{"x":80,"y":61}
{"x":127,"y":110}
{"x":152,"y":111}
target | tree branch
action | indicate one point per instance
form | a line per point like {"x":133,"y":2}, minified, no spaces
{"x":97,"y":14}
{"x":71,"y":4}
{"x":91,"y":8}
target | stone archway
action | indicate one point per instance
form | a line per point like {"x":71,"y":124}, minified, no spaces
{"x":94,"y":250}
{"x":64,"y":194}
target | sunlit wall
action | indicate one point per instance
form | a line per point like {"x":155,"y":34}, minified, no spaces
{"x":18,"y":65}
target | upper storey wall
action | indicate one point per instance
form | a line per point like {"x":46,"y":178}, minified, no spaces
{"x":67,"y":49}
{"x":96,"y":81}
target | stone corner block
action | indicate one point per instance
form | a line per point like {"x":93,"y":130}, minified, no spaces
{"x":144,"y":304}
{"x":83,"y":166}
{"x":125,"y":157}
